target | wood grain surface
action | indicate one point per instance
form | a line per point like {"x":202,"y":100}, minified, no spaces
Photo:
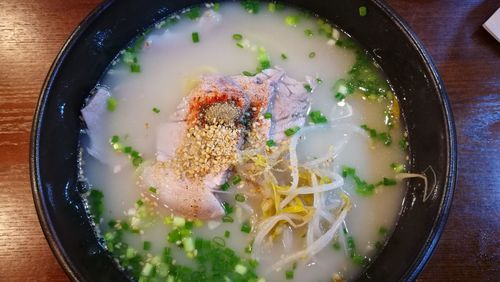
{"x":32,"y":32}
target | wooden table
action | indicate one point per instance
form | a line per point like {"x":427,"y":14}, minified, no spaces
{"x":32,"y":32}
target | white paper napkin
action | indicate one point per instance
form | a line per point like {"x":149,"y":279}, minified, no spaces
{"x":492,"y":25}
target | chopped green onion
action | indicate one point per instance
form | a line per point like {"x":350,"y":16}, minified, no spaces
{"x":363,"y":11}
{"x":276,"y":7}
{"x":129,"y":57}
{"x":216,"y":7}
{"x":403,"y":144}
{"x":245,"y":227}
{"x":189,"y":224}
{"x":168,"y":220}
{"x":115,"y":139}
{"x":268,"y":115}
{"x":147,"y":269}
{"x":240,"y":45}
{"x":341,"y":89}
{"x":156,"y":110}
{"x":398,"y":168}
{"x":134,"y":154}
{"x":96,"y":204}
{"x":248,"y":248}
{"x":237,"y":36}
{"x":135,"y":67}
{"x":312,"y":55}
{"x":178,"y":221}
{"x":236,"y":179}
{"x":383,"y":231}
{"x":139,"y":202}
{"x":112,"y":223}
{"x":227,"y":218}
{"x":271,"y":7}
{"x":153,"y":190}
{"x":193,"y":13}
{"x":388,"y":181}
{"x":146,"y":245}
{"x":162,"y":269}
{"x":362,"y":187}
{"x":136,"y":158}
{"x":219,"y":241}
{"x":177,"y":234}
{"x":110,"y":235}
{"x":325,"y":28}
{"x":117,"y":146}
{"x":130,"y":253}
{"x":111,"y":104}
{"x":247,"y":73}
{"x":283,"y":56}
{"x":263,"y":58}
{"x":339,"y":96}
{"x":346,"y":43}
{"x":224,"y":187}
{"x":289,"y":275}
{"x":252,"y":6}
{"x":363,"y":76}
{"x":139,"y":42}
{"x":317,"y":117}
{"x":166,"y":254}
{"x":195,"y":36}
{"x":351,"y":246}
{"x":308,"y":87}
{"x":359,"y":260}
{"x":168,"y":22}
{"x":308,"y":32}
{"x":336,"y":245}
{"x":137,"y":161}
{"x":240,"y":197}
{"x":188,"y":244}
{"x":292,"y":20}
{"x":227,"y":208}
{"x":227,"y":233}
{"x":292,"y":130}
{"x":240,"y":269}
{"x":319,"y":80}
{"x":198,"y":223}
{"x":385,"y":137}
{"x":270,"y":143}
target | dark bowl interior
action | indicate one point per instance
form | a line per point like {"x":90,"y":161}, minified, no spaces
{"x":108,"y":29}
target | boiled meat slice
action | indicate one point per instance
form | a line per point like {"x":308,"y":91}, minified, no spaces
{"x":290,"y":106}
{"x":93,"y":114}
{"x":187,"y":167}
{"x":199,"y":144}
{"x":182,"y":196}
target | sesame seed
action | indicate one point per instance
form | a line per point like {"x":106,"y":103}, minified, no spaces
{"x":206,"y":149}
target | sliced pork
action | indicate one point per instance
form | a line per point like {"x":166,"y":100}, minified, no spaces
{"x":199,"y":145}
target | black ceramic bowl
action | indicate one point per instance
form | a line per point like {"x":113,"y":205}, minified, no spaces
{"x":97,"y":40}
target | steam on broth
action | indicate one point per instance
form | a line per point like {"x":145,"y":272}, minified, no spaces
{"x":243,"y":144}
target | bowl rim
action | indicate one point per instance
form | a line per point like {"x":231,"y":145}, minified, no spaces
{"x":426,"y":249}
{"x":437,"y":229}
{"x":41,"y":209}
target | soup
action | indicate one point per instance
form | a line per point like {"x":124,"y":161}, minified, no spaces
{"x":243,"y":142}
